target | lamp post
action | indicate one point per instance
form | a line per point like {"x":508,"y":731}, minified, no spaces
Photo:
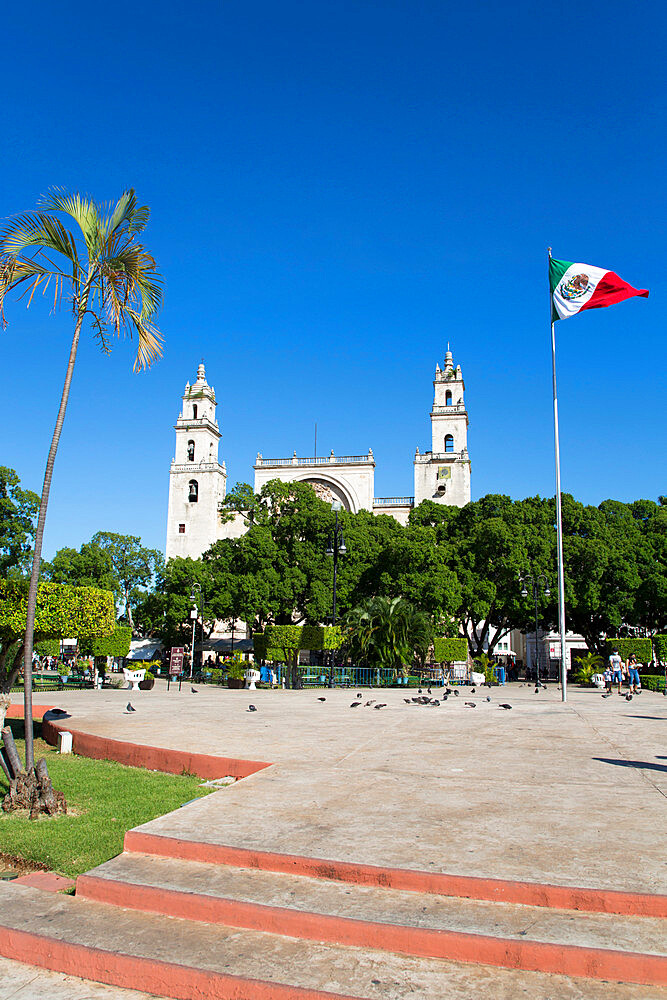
{"x":335,"y":548}
{"x":534,"y":582}
{"x":193,"y":614}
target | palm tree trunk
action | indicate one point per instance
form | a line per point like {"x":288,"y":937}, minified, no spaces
{"x":39,"y":534}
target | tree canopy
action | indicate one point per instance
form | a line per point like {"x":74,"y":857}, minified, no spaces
{"x":18,"y":511}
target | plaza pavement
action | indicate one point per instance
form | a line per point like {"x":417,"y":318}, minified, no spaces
{"x":543,"y":793}
{"x":574,"y":794}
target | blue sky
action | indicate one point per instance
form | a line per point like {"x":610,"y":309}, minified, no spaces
{"x":337,"y":190}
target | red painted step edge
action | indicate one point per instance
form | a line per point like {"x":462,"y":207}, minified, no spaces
{"x":465,"y":886}
{"x":165,"y":979}
{"x":456,"y":946}
{"x":153,"y":758}
{"x":16,"y":711}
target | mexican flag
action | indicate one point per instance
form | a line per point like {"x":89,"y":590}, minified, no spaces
{"x":575,"y":287}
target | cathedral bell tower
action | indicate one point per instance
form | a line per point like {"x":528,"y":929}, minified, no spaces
{"x":443,"y":474}
{"x":197,"y":482}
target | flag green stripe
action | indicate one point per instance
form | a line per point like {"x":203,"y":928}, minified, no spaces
{"x":557,"y":269}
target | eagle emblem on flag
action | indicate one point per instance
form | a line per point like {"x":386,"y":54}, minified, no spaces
{"x":575,"y":286}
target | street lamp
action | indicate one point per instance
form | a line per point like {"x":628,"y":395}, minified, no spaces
{"x":193,"y":615}
{"x":335,"y":548}
{"x":530,"y":580}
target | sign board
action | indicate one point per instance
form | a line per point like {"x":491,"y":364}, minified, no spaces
{"x":554,"y":650}
{"x":176,"y":661}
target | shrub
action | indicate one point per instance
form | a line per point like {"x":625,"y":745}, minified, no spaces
{"x":116,"y":644}
{"x":449,"y":650}
{"x":589,"y":664}
{"x":47,"y":647}
{"x":660,"y":646}
{"x":653,"y":682}
{"x":641,"y":648}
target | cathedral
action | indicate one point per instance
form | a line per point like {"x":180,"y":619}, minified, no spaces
{"x":198,"y":480}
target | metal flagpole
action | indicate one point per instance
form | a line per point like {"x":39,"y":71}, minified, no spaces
{"x":559,"y":511}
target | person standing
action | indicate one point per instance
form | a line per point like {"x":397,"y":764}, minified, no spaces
{"x":616,"y":664}
{"x":633,"y":675}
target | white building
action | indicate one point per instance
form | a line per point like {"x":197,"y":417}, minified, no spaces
{"x":198,"y":482}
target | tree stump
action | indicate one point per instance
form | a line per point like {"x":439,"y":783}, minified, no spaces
{"x":33,"y":791}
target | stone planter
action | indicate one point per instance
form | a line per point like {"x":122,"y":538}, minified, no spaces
{"x":5,"y":702}
{"x":147,"y":684}
{"x":236,"y":682}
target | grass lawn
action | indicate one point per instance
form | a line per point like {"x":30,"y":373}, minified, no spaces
{"x":104,"y":800}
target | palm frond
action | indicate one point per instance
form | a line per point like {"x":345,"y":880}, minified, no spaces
{"x":15,"y":271}
{"x":83,"y":210}
{"x":38,"y":230}
{"x":127,"y":216}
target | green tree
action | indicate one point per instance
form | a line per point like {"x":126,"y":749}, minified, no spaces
{"x":486,"y":544}
{"x":18,"y":510}
{"x":110,"y":278}
{"x":90,"y":566}
{"x":604,"y":558}
{"x":134,"y":567}
{"x":61,"y":612}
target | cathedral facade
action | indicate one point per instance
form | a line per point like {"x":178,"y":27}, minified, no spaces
{"x":198,"y":480}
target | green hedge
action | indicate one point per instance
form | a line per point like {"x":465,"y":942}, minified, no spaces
{"x":276,"y":640}
{"x":116,"y":644}
{"x":447,"y":650}
{"x":61,"y":612}
{"x":652,"y":682}
{"x":48,"y":647}
{"x":660,"y":646}
{"x":641,"y":648}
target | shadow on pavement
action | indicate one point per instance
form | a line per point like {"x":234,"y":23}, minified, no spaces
{"x":639,"y":764}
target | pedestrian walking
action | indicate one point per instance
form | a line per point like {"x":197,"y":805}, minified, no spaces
{"x":633,"y":674}
{"x":616,"y":665}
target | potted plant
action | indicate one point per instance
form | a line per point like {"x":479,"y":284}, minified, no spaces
{"x":236,"y":674}
{"x":65,"y":669}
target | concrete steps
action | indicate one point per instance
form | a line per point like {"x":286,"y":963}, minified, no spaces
{"x":595,"y":945}
{"x":191,"y":960}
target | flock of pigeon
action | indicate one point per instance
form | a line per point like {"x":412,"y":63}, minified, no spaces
{"x":425,"y":699}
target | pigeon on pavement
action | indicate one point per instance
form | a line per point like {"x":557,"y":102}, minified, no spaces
{"x":380,"y":705}
{"x":321,"y":699}
{"x":456,"y":694}
{"x":355,"y":704}
{"x":408,"y":701}
{"x":504,"y":706}
{"x":471,"y":704}
{"x":607,"y":695}
{"x":371,"y":702}
{"x":194,"y":690}
{"x":251,"y":708}
{"x":130,"y":707}
{"x":359,"y":696}
{"x":628,"y":697}
{"x":488,"y":698}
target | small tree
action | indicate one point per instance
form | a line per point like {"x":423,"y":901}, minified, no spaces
{"x":60,"y":612}
{"x":589,"y":664}
{"x":111,"y":279}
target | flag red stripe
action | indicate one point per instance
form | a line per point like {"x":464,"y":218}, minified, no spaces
{"x":611,"y":289}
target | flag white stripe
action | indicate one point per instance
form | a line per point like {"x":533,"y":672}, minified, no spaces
{"x":572,"y":292}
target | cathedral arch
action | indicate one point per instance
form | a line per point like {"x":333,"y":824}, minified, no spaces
{"x":328,"y":489}
{"x":193,"y":491}
{"x":194,"y":410}
{"x":448,"y":398}
{"x":449,"y":442}
{"x":191,"y":451}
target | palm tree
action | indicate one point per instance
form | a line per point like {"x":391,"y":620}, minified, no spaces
{"x":387,"y":631}
{"x":108,"y":277}
{"x":589,"y":664}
